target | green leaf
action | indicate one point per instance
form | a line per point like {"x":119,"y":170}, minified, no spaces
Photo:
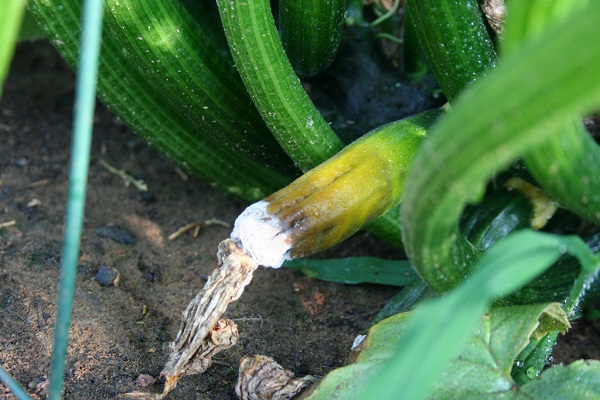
{"x":566,"y":166}
{"x":405,"y":300}
{"x":377,"y":347}
{"x":484,"y":365}
{"x":579,"y":380}
{"x":474,"y":142}
{"x":30,"y":29}
{"x":356,"y":270}
{"x":11,"y":15}
{"x":482,"y":368}
{"x":439,"y":328}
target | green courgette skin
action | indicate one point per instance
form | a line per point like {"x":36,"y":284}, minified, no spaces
{"x":130,"y":95}
{"x":311,"y":32}
{"x":179,"y":60}
{"x":273,"y":85}
{"x":279,"y":96}
{"x":455,"y":41}
{"x":468,"y":147}
{"x":501,"y":213}
{"x":567,"y":166}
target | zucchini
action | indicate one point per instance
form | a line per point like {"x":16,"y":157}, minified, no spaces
{"x":468,"y":146}
{"x":273,"y":85}
{"x":500,"y":213}
{"x":279,"y":96}
{"x":311,"y":32}
{"x":455,"y":41}
{"x":177,"y":58}
{"x":503,"y":212}
{"x":567,"y":166}
{"x":128,"y":93}
{"x":334,"y":200}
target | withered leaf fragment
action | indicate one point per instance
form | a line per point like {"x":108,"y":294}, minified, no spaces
{"x":261,"y":378}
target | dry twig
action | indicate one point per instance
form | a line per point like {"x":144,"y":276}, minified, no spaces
{"x":128,"y":179}
{"x":7,"y":224}
{"x":196,"y":226}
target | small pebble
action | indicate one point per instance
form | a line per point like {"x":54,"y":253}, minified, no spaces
{"x":145,"y":380}
{"x":116,"y":233}
{"x":5,"y":194}
{"x":107,"y":276}
{"x":146,"y":197}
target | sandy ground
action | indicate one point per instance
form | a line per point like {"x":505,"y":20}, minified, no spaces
{"x":120,"y":333}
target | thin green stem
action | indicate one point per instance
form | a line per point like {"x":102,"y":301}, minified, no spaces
{"x":387,"y":15}
{"x":85,"y":99}
{"x":395,"y":39}
{"x":582,"y":284}
{"x":12,"y":385}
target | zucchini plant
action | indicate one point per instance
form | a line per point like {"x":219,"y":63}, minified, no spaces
{"x":225,"y":100}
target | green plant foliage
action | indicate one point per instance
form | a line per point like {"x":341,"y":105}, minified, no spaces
{"x":483,"y":349}
{"x":16,"y":389}
{"x":30,"y":30}
{"x":571,"y":177}
{"x":578,"y":380}
{"x":11,"y":15}
{"x":533,"y":358}
{"x":405,"y":300}
{"x":441,"y":183}
{"x":356,"y":270}
{"x":500,"y":213}
{"x":166,"y":72}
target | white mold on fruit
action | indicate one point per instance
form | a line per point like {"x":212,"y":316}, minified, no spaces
{"x":262,"y":236}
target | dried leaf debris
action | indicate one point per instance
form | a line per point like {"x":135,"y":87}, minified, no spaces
{"x":261,"y":378}
{"x":201,"y":334}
